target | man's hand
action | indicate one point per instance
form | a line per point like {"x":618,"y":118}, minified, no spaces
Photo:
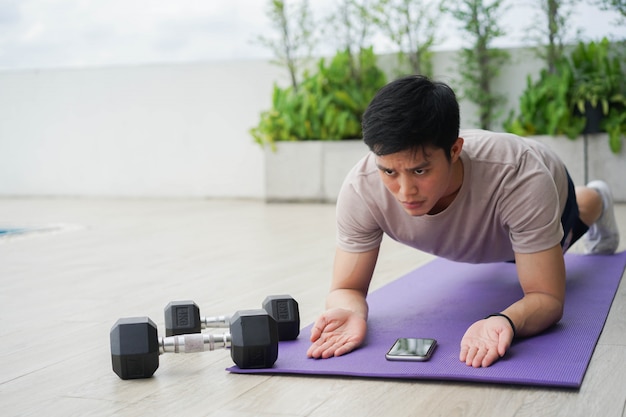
{"x":542,"y":278}
{"x":336,"y":332}
{"x":486,"y":341}
{"x":342,"y":327}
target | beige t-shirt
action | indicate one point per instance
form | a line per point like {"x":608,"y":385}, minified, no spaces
{"x":513,"y":193}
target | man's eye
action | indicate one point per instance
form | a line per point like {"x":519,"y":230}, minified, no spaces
{"x":388,"y":171}
{"x":420,"y":171}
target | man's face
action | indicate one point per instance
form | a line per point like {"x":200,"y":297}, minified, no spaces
{"x":423,"y":181}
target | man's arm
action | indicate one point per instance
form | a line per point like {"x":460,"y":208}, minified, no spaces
{"x":342,"y":327}
{"x":542,"y":278}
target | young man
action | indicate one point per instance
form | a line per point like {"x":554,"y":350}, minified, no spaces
{"x":473,"y":196}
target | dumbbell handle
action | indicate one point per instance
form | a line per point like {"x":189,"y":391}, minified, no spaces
{"x":195,"y":342}
{"x":215,"y":321}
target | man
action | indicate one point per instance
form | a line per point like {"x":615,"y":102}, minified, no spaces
{"x":471,"y":196}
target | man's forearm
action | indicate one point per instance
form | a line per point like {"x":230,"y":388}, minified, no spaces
{"x":535,"y":313}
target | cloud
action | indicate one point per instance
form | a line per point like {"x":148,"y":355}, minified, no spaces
{"x":70,"y":33}
{"x":9,"y":13}
{"x":45,"y":33}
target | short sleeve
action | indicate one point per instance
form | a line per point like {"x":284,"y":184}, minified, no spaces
{"x":531,"y":209}
{"x":357,"y":229}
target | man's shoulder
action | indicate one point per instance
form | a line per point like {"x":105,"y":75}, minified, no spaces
{"x":363,"y":169}
{"x":363,"y":185}
{"x":489,"y":138}
{"x":499,"y":147}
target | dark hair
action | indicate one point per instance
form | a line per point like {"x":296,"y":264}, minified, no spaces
{"x":411,"y":113}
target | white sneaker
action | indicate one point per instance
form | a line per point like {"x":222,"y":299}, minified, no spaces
{"x":603,"y":236}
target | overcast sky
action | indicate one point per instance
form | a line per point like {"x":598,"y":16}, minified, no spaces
{"x":77,"y":33}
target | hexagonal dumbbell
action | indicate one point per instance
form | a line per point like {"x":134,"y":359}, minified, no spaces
{"x":135,"y":345}
{"x":183,"y":317}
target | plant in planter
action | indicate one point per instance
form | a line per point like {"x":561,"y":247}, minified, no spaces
{"x":545,"y":105}
{"x":327,"y":105}
{"x":305,"y":156}
{"x":310,"y":123}
{"x":560,"y":102}
{"x":598,"y":90}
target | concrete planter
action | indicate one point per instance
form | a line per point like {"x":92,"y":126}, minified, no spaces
{"x":313,"y":171}
{"x":309,"y":171}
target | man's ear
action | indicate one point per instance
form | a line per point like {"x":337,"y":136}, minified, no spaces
{"x":455,"y":151}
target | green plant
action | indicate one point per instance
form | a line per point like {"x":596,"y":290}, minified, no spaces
{"x":558,"y":102}
{"x":295,"y":26}
{"x":551,"y":28}
{"x":480,"y":64}
{"x":350,"y":25}
{"x":596,"y":75}
{"x":599,"y":82}
{"x":328,"y":105}
{"x":615,"y":126}
{"x":411,"y":26}
{"x":544,"y":106}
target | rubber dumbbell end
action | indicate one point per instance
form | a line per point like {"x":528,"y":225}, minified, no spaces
{"x":254,"y":339}
{"x":134,"y":348}
{"x":182,"y":317}
{"x":284,"y":309}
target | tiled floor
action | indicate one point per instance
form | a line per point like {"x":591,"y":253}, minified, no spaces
{"x":63,"y":289}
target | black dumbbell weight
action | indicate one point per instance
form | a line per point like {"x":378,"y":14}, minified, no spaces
{"x":135,"y":345}
{"x":183,"y":317}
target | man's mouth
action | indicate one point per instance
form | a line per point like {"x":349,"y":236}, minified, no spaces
{"x":412,"y":205}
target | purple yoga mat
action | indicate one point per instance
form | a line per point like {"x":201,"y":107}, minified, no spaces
{"x":442,"y":298}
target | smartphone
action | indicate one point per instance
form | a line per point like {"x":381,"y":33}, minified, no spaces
{"x":411,"y":349}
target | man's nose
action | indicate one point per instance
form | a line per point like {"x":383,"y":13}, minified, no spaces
{"x":407,"y":186}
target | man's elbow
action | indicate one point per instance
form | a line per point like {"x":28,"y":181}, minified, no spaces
{"x":557,"y":310}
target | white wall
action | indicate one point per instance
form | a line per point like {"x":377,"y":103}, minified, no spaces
{"x":158,"y":130}
{"x":168,"y":130}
